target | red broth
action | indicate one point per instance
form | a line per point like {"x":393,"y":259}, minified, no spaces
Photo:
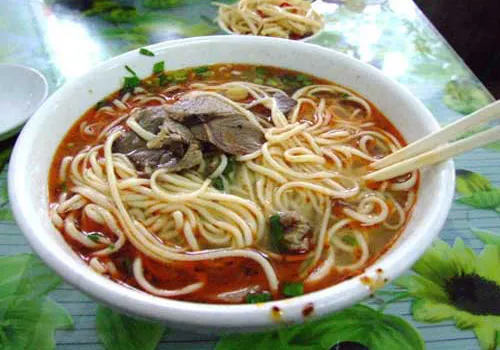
{"x":220,"y":275}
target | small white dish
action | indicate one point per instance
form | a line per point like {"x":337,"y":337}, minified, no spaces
{"x":22,"y":91}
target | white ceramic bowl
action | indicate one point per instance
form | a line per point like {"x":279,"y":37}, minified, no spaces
{"x":28,"y":173}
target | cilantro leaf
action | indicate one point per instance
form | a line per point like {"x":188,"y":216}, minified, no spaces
{"x":469,"y":182}
{"x":230,"y":167}
{"x":277,"y":232}
{"x":159,"y":67}
{"x":359,"y":324}
{"x":146,"y":52}
{"x":130,"y":83}
{"x":25,"y":275}
{"x":254,"y":298}
{"x":29,"y":324}
{"x":293,"y":289}
{"x":218,"y":183}
{"x":130,"y":70}
{"x":120,"y":332}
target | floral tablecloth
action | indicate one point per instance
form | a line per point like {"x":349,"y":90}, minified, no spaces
{"x":451,"y":299}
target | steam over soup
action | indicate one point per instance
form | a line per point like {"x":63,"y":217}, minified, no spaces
{"x":228,"y":184}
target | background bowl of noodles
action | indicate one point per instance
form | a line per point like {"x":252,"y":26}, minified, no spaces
{"x":295,"y":20}
{"x":35,"y":148}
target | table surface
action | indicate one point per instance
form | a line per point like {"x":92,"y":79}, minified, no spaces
{"x":392,"y":35}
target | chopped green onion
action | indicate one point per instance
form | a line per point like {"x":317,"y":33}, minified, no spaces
{"x":260,"y":71}
{"x":159,"y":67}
{"x":111,"y":246}
{"x":131,"y":71}
{"x":64,"y":187}
{"x":344,"y":95}
{"x":94,"y":237}
{"x":131,"y":82}
{"x":350,"y":240}
{"x":258,"y":81}
{"x":101,"y":104}
{"x":277,"y":232}
{"x":230,"y":167}
{"x":218,"y":183}
{"x":165,"y":79}
{"x":254,"y":298}
{"x":127,"y":263}
{"x":293,"y":289}
{"x":302,"y":77}
{"x":273,"y":82}
{"x":146,"y":52}
{"x":180,"y":76}
{"x":200,"y":70}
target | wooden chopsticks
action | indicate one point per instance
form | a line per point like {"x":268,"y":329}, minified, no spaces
{"x":435,"y":148}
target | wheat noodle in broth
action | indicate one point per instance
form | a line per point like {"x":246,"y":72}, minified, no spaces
{"x":294,"y":210}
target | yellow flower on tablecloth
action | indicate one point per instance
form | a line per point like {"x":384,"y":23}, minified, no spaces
{"x":453,"y":283}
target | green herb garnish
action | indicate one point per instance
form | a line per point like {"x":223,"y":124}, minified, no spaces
{"x":344,"y":95}
{"x":63,"y":187}
{"x":230,"y":167}
{"x":146,"y":52}
{"x":293,"y":289}
{"x":218,"y":183}
{"x":111,"y":246}
{"x":350,"y":240}
{"x":179,"y":76}
{"x":130,"y":70}
{"x":258,"y":81}
{"x":201,"y":70}
{"x":301,"y":77}
{"x":100,"y":104}
{"x":159,"y":67}
{"x":277,"y":232}
{"x":94,"y":237}
{"x":261,"y":71}
{"x":164,"y":79}
{"x":273,"y":82}
{"x":254,"y":298}
{"x":130,"y":83}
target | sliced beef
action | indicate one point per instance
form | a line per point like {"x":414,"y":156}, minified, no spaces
{"x":285,"y":103}
{"x":150,"y":118}
{"x":235,"y":135}
{"x":173,"y":148}
{"x":193,"y":105}
{"x":297,"y":233}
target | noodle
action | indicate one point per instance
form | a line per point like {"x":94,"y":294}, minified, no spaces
{"x":291,"y":19}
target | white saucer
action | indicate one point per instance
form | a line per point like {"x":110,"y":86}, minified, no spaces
{"x":22,"y":90}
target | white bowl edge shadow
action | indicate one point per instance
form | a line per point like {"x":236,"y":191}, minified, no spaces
{"x":28,"y":176}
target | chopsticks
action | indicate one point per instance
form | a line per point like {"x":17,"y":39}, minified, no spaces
{"x":435,"y":148}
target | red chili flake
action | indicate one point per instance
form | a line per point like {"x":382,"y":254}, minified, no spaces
{"x":261,"y":14}
{"x":285,"y":4}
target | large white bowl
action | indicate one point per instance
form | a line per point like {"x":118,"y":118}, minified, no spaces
{"x":33,"y":153}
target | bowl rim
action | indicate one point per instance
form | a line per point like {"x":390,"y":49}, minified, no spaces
{"x":221,"y":316}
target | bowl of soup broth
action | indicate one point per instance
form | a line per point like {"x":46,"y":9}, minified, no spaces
{"x":216,"y":183}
